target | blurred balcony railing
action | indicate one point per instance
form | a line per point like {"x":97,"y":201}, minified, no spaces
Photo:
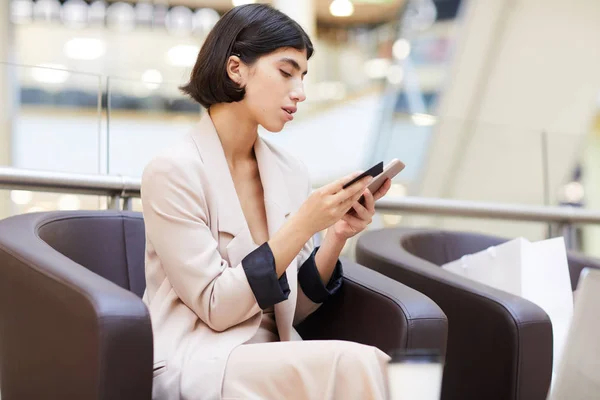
{"x":123,"y":189}
{"x":118,"y":126}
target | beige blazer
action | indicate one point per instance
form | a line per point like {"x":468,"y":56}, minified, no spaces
{"x":200,"y":302}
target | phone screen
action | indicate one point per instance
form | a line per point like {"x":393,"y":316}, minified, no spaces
{"x":373,"y":171}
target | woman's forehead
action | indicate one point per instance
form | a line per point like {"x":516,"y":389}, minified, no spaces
{"x":288,"y":54}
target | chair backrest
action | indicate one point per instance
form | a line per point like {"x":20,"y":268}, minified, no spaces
{"x":110,"y":245}
{"x":441,"y":247}
{"x":72,"y":324}
{"x":490,"y":353}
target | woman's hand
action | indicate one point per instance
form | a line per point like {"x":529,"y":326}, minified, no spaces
{"x":329,"y":203}
{"x":354,"y":222}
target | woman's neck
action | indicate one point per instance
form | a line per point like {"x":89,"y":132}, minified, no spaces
{"x":237,"y":131}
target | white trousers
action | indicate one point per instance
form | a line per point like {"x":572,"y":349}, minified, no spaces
{"x":305,"y":370}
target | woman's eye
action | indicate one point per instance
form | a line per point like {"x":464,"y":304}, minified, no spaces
{"x":285,"y":74}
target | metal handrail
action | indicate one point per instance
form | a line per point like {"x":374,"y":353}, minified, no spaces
{"x":476,"y":209}
{"x":123,"y":187}
{"x":47,"y":181}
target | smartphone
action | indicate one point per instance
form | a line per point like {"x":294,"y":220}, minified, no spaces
{"x":373,"y":171}
{"x":393,"y":168}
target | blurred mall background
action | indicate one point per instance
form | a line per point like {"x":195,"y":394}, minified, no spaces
{"x":484,"y":100}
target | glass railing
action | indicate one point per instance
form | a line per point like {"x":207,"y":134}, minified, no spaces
{"x":95,"y":124}
{"x":143,"y":118}
{"x":484,"y":162}
{"x":86,"y":123}
{"x":58,"y":122}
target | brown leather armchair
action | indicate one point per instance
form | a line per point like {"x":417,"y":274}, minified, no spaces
{"x":73,"y":325}
{"x":499,"y":345}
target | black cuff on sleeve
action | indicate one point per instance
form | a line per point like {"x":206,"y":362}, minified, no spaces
{"x":311,"y":283}
{"x":262,"y":277}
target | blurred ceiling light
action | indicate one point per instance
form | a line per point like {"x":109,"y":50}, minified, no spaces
{"x":21,"y":11}
{"x":84,"y":48}
{"x":152,"y":79}
{"x":120,"y":16}
{"x":47,"y":10}
{"x":242,"y":2}
{"x":574,"y":192}
{"x":395,"y":74}
{"x":97,"y":12}
{"x":160,"y":14}
{"x":75,"y":13}
{"x":377,"y":68}
{"x":204,"y":20}
{"x":69,"y":202}
{"x":341,"y":8}
{"x":179,"y":20}
{"x":50,"y":73}
{"x":183,"y":55}
{"x":144,"y":13}
{"x":401,"y":49}
{"x":21,"y":197}
{"x":423,"y":119}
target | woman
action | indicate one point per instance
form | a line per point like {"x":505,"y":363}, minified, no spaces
{"x":230,"y":264}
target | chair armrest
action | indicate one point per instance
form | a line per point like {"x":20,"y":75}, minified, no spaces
{"x":499,"y":345}
{"x":65,"y":332}
{"x":377,"y":311}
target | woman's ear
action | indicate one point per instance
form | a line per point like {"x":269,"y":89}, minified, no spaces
{"x":234,"y":70}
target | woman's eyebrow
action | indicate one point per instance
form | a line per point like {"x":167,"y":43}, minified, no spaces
{"x":293,"y":63}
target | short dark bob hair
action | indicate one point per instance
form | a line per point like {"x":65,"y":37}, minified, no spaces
{"x":249,"y":31}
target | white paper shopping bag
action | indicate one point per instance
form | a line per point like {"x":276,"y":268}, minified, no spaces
{"x":538,"y":272}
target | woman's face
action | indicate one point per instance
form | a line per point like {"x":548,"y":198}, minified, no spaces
{"x":274,"y":87}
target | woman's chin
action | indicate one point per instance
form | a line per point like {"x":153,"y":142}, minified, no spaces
{"x":274,"y":127}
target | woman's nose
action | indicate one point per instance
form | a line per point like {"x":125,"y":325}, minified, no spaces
{"x":298,"y":93}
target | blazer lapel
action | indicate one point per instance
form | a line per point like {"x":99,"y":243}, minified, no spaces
{"x":277,"y":200}
{"x":230,"y":217}
{"x":278,"y":207}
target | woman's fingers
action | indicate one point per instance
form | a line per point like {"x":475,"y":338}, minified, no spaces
{"x":369,"y":203}
{"x":355,"y":223}
{"x":352,"y":192}
{"x":348,"y":202}
{"x":337,"y":185}
{"x":382,"y":191}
